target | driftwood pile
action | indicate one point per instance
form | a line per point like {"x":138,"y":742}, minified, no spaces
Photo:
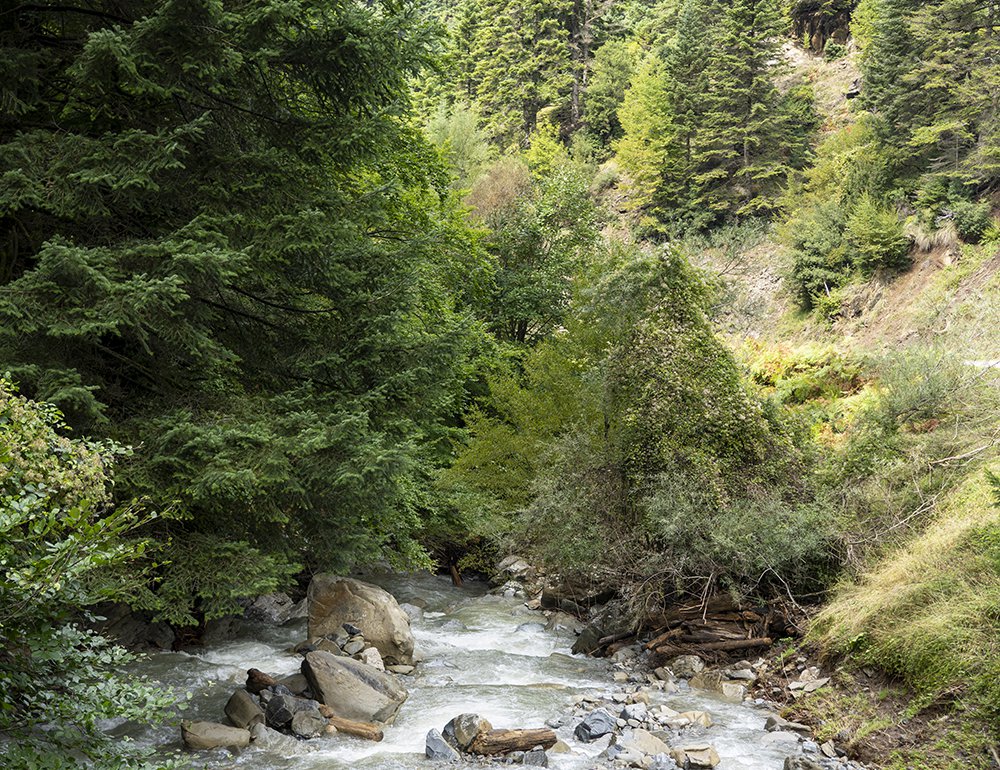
{"x":711,"y":630}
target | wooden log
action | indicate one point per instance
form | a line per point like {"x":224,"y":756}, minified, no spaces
{"x":366,"y":730}
{"x":727,"y":646}
{"x":495,"y":742}
{"x":666,"y":636}
{"x":257,"y":680}
{"x":604,"y":641}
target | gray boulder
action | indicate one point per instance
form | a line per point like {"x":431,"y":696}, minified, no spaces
{"x":687,"y":666}
{"x":334,"y":601}
{"x":243,"y":709}
{"x":308,"y":723}
{"x":269,"y":739}
{"x":802,"y":763}
{"x":276,"y":609}
{"x":466,"y":728}
{"x":596,"y":724}
{"x":536,"y":757}
{"x":212,"y":735}
{"x":437,"y":749}
{"x":279,"y":710}
{"x":352,"y":689}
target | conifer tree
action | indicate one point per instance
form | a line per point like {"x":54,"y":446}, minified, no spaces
{"x":646,"y":121}
{"x":610,"y":75}
{"x":742,"y":136}
{"x":520,"y":60}
{"x":221,"y":241}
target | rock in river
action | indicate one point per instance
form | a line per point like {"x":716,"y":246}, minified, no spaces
{"x":334,"y":601}
{"x":243,"y":709}
{"x":212,"y":735}
{"x":597,"y":723}
{"x":437,"y":749}
{"x":352,"y":689}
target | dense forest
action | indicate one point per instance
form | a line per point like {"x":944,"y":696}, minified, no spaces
{"x":302,"y":285}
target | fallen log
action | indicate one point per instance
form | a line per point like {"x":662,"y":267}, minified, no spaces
{"x":666,"y":636}
{"x":727,"y":646}
{"x":604,"y":641}
{"x":257,"y":680}
{"x":366,"y":730}
{"x":495,"y":742}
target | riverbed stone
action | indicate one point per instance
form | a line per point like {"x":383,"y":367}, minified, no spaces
{"x":212,"y":735}
{"x":335,"y":600}
{"x":642,"y":741}
{"x":717,"y":681}
{"x":777,"y":722}
{"x":802,"y":763}
{"x":588,"y":641}
{"x":352,"y":689}
{"x":702,"y":718}
{"x":596,"y":724}
{"x":696,"y":755}
{"x":296,"y":684}
{"x":355,"y":645}
{"x":370,"y":656}
{"x":280,"y":709}
{"x":536,"y":757}
{"x":437,"y":749}
{"x":687,"y":666}
{"x":243,"y":709}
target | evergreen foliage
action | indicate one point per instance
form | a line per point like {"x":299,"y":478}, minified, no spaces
{"x":224,"y":244}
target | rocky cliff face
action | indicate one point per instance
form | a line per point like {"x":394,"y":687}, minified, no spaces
{"x":817,"y":21}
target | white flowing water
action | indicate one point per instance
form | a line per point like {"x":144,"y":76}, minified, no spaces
{"x":478,"y":653}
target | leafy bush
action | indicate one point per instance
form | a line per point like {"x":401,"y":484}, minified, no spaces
{"x":59,"y":535}
{"x":877,"y":236}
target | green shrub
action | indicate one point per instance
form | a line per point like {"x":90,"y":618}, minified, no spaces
{"x":876,"y":235}
{"x":59,"y":536}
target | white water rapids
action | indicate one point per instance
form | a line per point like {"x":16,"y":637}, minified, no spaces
{"x":479,"y":653}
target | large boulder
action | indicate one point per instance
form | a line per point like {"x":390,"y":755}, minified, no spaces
{"x":352,"y":689}
{"x":243,"y":710}
{"x":212,"y":735}
{"x":334,"y":601}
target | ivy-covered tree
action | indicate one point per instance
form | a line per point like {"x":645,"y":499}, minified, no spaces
{"x":221,"y":241}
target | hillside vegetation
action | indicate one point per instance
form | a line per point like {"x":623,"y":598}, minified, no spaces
{"x":675,"y":297}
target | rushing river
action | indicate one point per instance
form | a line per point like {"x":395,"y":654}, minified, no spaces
{"x":478,"y":653}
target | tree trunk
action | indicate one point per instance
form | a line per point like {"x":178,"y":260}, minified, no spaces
{"x":505,"y":741}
